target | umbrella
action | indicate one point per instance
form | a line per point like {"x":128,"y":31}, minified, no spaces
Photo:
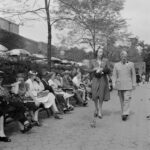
{"x":3,"y":48}
{"x":39,"y":56}
{"x":54,"y":59}
{"x":18,"y":52}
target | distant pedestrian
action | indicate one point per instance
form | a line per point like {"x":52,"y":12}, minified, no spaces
{"x":138,"y":78}
{"x":143,"y":78}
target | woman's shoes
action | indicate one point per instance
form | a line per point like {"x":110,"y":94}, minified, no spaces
{"x":148,"y":117}
{"x":27,"y":127}
{"x":70,"y":108}
{"x":100,"y":116}
{"x":85,"y":103}
{"x":35,"y":123}
{"x":65,"y":110}
{"x":95,"y":115}
{"x":5,"y":139}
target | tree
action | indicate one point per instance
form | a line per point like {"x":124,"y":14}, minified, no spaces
{"x":94,"y":23}
{"x":33,"y":10}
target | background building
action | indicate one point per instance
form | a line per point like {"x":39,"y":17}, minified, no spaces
{"x":9,"y":26}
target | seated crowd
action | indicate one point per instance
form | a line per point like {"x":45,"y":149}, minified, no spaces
{"x":50,"y":91}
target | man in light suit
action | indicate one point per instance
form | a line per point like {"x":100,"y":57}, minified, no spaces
{"x":124,"y":80}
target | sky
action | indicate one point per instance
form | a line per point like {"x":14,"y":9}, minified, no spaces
{"x":136,"y":12}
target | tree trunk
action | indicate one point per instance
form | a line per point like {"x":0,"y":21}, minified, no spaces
{"x":49,"y":33}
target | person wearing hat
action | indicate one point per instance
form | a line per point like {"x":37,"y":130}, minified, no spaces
{"x":39,"y":95}
{"x":124,"y":80}
{"x":19,"y":90}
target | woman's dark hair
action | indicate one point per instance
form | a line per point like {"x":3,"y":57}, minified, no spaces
{"x":104,"y":53}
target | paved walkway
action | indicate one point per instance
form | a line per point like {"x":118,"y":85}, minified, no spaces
{"x":74,"y":131}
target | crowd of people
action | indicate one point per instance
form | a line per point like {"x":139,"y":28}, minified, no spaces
{"x":52,"y":91}
{"x":61,"y":92}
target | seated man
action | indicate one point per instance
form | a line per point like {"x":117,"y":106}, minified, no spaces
{"x":14,"y":109}
{"x":19,"y":90}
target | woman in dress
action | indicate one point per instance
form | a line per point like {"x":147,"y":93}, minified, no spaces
{"x":39,"y":95}
{"x":100,"y":86}
{"x":58,"y":90}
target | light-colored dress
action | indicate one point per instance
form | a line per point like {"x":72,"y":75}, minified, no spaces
{"x":54,"y":85}
{"x":35,"y":88}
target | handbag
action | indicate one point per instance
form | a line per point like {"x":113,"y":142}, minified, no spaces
{"x":42,"y":94}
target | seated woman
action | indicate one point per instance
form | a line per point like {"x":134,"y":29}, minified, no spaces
{"x":39,"y":96}
{"x":79,"y":85}
{"x":52,"y":82}
{"x":14,"y":109}
{"x":68,"y":84}
{"x":19,"y":90}
{"x":60,"y":101}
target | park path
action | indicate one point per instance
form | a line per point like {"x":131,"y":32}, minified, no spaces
{"x":74,"y":131}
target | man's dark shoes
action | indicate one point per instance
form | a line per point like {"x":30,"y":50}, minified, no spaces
{"x":57,"y":117}
{"x":124,"y":117}
{"x":5,"y":139}
{"x":148,"y":117}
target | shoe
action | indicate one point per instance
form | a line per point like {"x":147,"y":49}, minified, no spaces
{"x":27,"y":127}
{"x":95,"y":114}
{"x":70,"y":108}
{"x":5,"y":139}
{"x":35,"y":123}
{"x":148,"y":117}
{"x":124,"y":117}
{"x":65,"y":110}
{"x":100,"y":116}
{"x":57,"y":117}
{"x":85,"y":103}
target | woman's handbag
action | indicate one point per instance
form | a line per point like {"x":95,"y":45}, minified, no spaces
{"x":42,"y":94}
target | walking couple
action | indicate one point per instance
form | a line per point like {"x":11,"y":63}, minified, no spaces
{"x":124,"y":80}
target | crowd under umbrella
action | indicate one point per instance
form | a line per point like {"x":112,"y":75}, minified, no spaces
{"x":39,"y":58}
{"x":18,"y":52}
{"x":3,"y":51}
{"x":3,"y":48}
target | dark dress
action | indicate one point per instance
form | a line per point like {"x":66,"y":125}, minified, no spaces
{"x":100,"y":85}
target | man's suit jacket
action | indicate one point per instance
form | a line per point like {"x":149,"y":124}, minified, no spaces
{"x":124,"y":77}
